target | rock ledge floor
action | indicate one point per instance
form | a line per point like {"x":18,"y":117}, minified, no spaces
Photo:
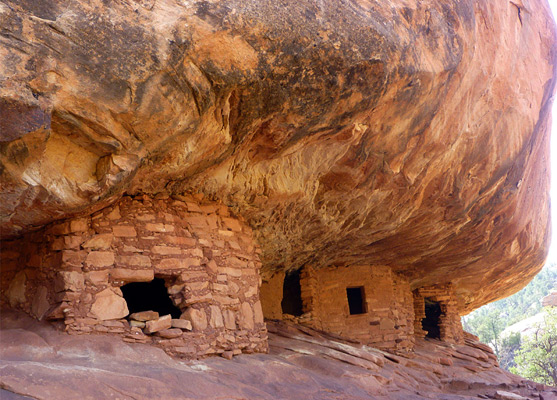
{"x":39,"y":362}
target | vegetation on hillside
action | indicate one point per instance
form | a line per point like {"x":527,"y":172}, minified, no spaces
{"x":519,"y":354}
{"x":537,"y":357}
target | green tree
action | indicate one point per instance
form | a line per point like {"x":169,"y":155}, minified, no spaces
{"x":537,"y":357}
{"x":509,"y":346}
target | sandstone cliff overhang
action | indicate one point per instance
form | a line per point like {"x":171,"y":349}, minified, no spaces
{"x":409,"y":135}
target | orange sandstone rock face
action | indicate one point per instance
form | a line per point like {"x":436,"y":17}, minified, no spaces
{"x":409,"y":134}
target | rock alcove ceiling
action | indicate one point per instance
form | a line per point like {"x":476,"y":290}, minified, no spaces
{"x":413,"y":135}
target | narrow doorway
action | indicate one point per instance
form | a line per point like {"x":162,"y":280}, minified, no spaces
{"x":149,"y":296}
{"x":292,"y":294}
{"x":430,"y":323}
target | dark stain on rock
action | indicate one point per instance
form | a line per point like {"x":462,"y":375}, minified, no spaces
{"x":18,"y":119}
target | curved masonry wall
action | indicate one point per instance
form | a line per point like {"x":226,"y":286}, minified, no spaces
{"x":73,"y":271}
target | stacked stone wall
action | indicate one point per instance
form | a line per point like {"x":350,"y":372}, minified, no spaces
{"x":387,"y":322}
{"x":450,"y":325}
{"x":73,"y":271}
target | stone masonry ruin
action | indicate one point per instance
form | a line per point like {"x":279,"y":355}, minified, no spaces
{"x":85,"y":270}
{"x":370,"y":304}
{"x":184,"y":274}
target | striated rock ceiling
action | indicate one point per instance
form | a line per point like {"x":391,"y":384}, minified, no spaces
{"x":408,"y":133}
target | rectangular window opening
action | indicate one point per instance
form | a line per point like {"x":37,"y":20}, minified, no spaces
{"x":356,"y":300}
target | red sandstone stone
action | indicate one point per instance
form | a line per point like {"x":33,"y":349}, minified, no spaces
{"x":182,"y":324}
{"x":216,"y":320}
{"x":100,"y":259}
{"x":197,"y":318}
{"x":79,"y":225}
{"x":170,"y":333}
{"x":69,"y":280}
{"x":178,"y":263}
{"x":166,"y":250}
{"x":109,"y":305}
{"x":99,"y":242}
{"x":187,"y":241}
{"x":157,"y":227}
{"x":136,"y":260}
{"x":246,"y":317}
{"x":124,"y":231}
{"x":158,"y":324}
{"x":144,"y":316}
{"x":72,"y":242}
{"x":132,"y":275}
{"x":114,"y":214}
{"x":232,"y":224}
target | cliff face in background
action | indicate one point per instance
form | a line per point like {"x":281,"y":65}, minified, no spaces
{"x":344,"y":132}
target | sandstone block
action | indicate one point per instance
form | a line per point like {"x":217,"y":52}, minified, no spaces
{"x":197,"y":252}
{"x":197,"y":318}
{"x":232,"y":224}
{"x":216,"y":320}
{"x":196,"y":221}
{"x":100,"y":259}
{"x":145,"y":217}
{"x":132,"y":275}
{"x":69,"y":280}
{"x":97,"y":277}
{"x":178,"y":263}
{"x":235,"y":272}
{"x":182,"y":324}
{"x":114,"y":214}
{"x":208,"y":208}
{"x":132,"y":249}
{"x":157,"y":325}
{"x":73,"y":258}
{"x":258,"y":313}
{"x":196,"y":298}
{"x":171,"y":333}
{"x":137,"y":324}
{"x":229,"y":319}
{"x":166,"y":250}
{"x":186,"y":241}
{"x":227,"y":354}
{"x":61,"y":229}
{"x":136,"y":260}
{"x":124,"y":231}
{"x":212,"y":267}
{"x":79,"y":225}
{"x":193,"y":207}
{"x":72,"y":242}
{"x":246,"y":317}
{"x":109,"y":305}
{"x":159,"y":227}
{"x":145,"y":316}
{"x":102,"y":241}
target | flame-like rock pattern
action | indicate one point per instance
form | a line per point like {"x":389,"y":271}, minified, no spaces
{"x":409,"y":134}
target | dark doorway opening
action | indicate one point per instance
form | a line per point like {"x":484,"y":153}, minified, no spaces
{"x":356,"y":302}
{"x":149,"y":296}
{"x":430,"y":323}
{"x":292,"y":294}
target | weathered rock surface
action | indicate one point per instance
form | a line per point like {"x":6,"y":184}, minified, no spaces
{"x":40,"y":362}
{"x":410,"y":134}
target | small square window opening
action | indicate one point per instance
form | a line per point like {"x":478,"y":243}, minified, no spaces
{"x":356,"y":300}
